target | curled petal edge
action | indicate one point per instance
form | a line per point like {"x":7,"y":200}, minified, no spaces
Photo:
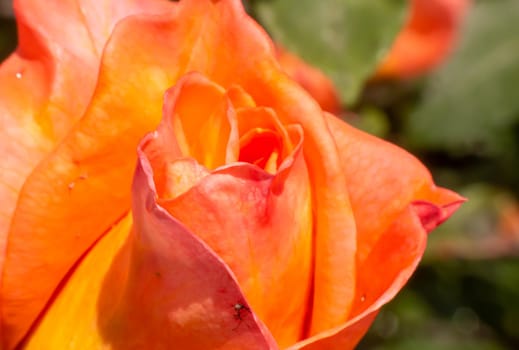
{"x":424,"y":216}
{"x":431,"y":215}
{"x":146,"y":207}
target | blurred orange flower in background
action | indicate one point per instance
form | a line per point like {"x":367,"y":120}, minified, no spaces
{"x":424,"y":42}
{"x":427,"y":38}
{"x":311,"y":79}
{"x":256,"y":220}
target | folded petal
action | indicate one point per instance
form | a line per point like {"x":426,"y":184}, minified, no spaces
{"x":334,"y":226}
{"x":185,"y":294}
{"x":336,"y":230}
{"x":384,"y":272}
{"x":338,"y":338}
{"x":392,"y":195}
{"x":394,"y":202}
{"x":204,"y":131}
{"x":159,"y":286}
{"x":71,"y":322}
{"x":259,"y":224}
{"x":58,"y":56}
{"x":391,"y":180}
{"x":191,"y":132}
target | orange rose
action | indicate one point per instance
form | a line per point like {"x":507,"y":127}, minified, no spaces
{"x":258,"y":221}
{"x":427,"y":38}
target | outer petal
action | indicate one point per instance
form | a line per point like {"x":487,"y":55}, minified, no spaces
{"x":334,"y":226}
{"x":383,"y":180}
{"x":163,"y":288}
{"x":261,"y":226}
{"x":406,"y":205}
{"x":60,"y":44}
{"x":387,"y":268}
{"x":426,"y":39}
{"x":71,"y":322}
{"x":192,"y":303}
{"x":390,"y":185}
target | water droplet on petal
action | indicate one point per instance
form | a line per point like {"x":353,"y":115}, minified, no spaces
{"x":19,"y":75}
{"x":363,"y":298}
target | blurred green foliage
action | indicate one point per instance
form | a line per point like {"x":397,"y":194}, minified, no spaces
{"x":470,"y":106}
{"x":478,"y":86}
{"x":345,"y":38}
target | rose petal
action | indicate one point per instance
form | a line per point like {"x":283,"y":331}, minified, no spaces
{"x":72,"y":320}
{"x":432,"y":215}
{"x":49,"y":66}
{"x":338,"y":338}
{"x":391,"y":180}
{"x":261,"y":226}
{"x":405,"y":204}
{"x":36,"y":112}
{"x":191,"y":302}
{"x":334,"y":226}
{"x":160,"y":285}
{"x":261,"y":119}
{"x":205,"y":131}
{"x":176,"y":136}
{"x":384,"y":272}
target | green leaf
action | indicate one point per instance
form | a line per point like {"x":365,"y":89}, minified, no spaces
{"x":471,"y":105}
{"x":344,"y":38}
